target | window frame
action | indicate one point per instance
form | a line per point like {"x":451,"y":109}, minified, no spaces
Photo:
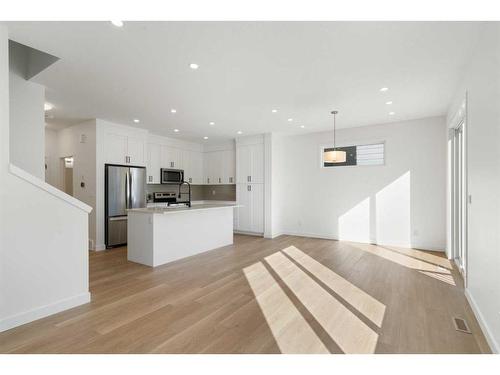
{"x":351,"y":144}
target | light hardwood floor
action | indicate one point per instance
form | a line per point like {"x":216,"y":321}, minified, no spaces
{"x":287,"y":295}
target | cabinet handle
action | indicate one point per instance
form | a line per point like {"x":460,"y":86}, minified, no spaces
{"x":249,"y":187}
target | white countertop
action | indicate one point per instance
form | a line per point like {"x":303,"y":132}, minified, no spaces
{"x":173,"y":210}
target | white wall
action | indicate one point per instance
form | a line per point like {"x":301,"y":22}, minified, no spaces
{"x":79,"y":141}
{"x":27,"y":125}
{"x":43,"y":233}
{"x":481,"y":81}
{"x":52,"y":173}
{"x":401,"y":203}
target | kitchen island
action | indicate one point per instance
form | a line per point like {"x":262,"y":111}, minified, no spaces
{"x":158,"y":235}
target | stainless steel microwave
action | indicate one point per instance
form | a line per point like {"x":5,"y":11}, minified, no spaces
{"x":172,"y":176}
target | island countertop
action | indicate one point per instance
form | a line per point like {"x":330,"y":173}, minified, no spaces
{"x":173,"y":210}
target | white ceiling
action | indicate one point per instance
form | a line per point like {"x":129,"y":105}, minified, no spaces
{"x":304,"y":69}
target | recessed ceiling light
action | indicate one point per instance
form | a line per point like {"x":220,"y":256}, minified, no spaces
{"x":173,"y":110}
{"x":176,"y":130}
{"x":136,"y":120}
{"x":302,"y":126}
{"x":290,"y":119}
{"x":47,"y":106}
{"x":274,"y":110}
{"x":384,"y":89}
{"x":391,"y":113}
{"x":205,"y":137}
{"x":389,"y":102}
{"x":117,"y":23}
{"x":194,"y":66}
{"x":239,"y":132}
{"x":211,"y":123}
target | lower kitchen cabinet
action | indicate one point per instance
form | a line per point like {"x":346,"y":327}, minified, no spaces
{"x":250,"y":213}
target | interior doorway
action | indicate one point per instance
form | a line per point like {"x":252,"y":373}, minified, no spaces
{"x":459,"y":198}
{"x":67,"y":174}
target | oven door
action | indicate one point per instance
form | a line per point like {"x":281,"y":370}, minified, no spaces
{"x":172,"y":176}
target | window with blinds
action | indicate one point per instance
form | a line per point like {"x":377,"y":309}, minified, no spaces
{"x":371,"y":154}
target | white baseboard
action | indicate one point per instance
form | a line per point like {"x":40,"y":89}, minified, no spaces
{"x":43,"y":311}
{"x":494,"y":346}
{"x":330,"y":237}
{"x":248,"y":233}
{"x":99,"y":247}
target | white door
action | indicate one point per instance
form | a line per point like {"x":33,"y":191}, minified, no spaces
{"x":459,"y":199}
{"x":153,"y":165}
{"x":115,"y":148}
{"x":136,"y":151}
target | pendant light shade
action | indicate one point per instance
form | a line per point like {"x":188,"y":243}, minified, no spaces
{"x":334,"y":156}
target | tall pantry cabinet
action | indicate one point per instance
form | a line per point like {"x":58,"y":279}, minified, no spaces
{"x":249,"y":216}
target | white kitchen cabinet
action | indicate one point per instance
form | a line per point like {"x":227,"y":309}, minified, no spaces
{"x":229,"y":168}
{"x":136,"y":151}
{"x":219,"y":167}
{"x":115,"y":147}
{"x":124,"y":149}
{"x":250,"y":210}
{"x":170,"y":157}
{"x":153,"y":163}
{"x":250,"y":163}
{"x":193,"y":166}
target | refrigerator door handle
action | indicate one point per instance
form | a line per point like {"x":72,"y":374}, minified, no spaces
{"x":130,"y":204}
{"x":127,"y":190}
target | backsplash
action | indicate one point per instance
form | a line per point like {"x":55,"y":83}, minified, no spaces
{"x":198,"y":192}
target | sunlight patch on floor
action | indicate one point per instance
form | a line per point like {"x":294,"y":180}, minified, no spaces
{"x":363,"y":302}
{"x":291,"y":331}
{"x":349,"y":332}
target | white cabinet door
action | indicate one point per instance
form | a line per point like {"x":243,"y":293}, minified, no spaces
{"x":136,"y":151}
{"x":250,"y":213}
{"x":115,"y":147}
{"x":243,"y":163}
{"x":170,"y":157}
{"x":197,"y":167}
{"x":229,"y":167}
{"x":257,"y":207}
{"x":211,"y":168}
{"x":244,"y":210}
{"x":257,"y":163}
{"x":153,"y":165}
{"x":192,"y":163}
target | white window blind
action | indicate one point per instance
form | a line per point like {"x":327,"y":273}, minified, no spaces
{"x":370,"y":154}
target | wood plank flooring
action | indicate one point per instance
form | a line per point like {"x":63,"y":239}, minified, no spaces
{"x":286,"y":295}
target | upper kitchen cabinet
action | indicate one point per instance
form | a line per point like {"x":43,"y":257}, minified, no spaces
{"x":220,"y":165}
{"x":171,"y":157}
{"x":250,"y":161}
{"x":193,"y":166}
{"x":122,"y":148}
{"x":153,"y":163}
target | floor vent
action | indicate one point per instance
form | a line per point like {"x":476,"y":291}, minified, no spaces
{"x":461,"y":325}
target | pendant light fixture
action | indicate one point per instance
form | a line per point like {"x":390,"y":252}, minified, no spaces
{"x":334,"y":156}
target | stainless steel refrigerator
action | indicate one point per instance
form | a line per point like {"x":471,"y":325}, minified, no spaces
{"x":125,"y":188}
